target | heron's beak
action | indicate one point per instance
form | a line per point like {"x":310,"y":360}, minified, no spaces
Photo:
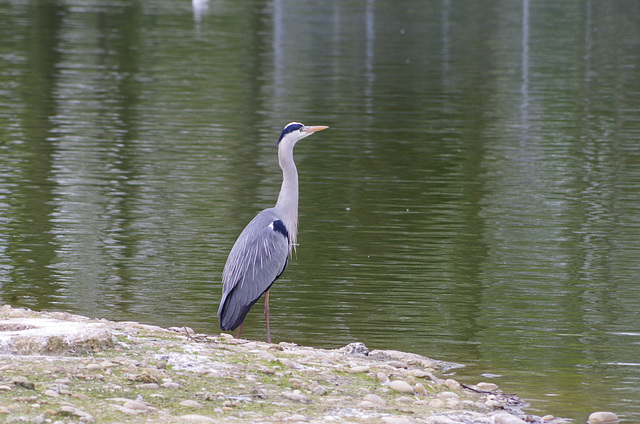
{"x":312,"y":129}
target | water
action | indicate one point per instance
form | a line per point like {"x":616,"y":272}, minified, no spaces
{"x":477,"y":198}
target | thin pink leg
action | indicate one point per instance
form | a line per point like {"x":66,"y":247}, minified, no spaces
{"x":266,"y":315}
{"x":239,"y":330}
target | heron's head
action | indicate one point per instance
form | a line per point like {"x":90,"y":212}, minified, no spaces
{"x":295,"y":131}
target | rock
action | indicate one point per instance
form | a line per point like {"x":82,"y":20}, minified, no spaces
{"x":266,"y":356}
{"x":149,"y":386}
{"x":289,"y":363}
{"x":21,"y":381}
{"x":452,"y":384}
{"x":420,"y":389}
{"x":198,"y":419}
{"x":51,"y":393}
{"x":375,"y":400}
{"x":295,"y":396}
{"x":487,"y":387}
{"x":189,"y":403}
{"x":421,"y":374}
{"x":356,"y":348}
{"x":401,"y":386}
{"x":296,"y":383}
{"x":397,"y":420}
{"x":448,"y":396}
{"x":76,"y":412}
{"x":136,"y":405}
{"x":504,"y":418}
{"x":366,"y":405}
{"x":547,"y":418}
{"x":320,"y":390}
{"x":440,"y":419}
{"x":382,"y":377}
{"x":397,"y":364}
{"x":171,"y":385}
{"x":38,"y":336}
{"x":603,"y":417}
{"x":359,"y":369}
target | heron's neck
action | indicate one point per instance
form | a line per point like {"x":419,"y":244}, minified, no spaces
{"x":287,"y":204}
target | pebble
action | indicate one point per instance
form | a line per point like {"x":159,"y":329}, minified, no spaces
{"x":76,"y":412}
{"x":149,"y":386}
{"x":397,"y":364}
{"x":487,"y":387}
{"x":320,"y":390}
{"x":21,"y":381}
{"x":296,"y":383}
{"x":547,"y":418}
{"x":295,"y":396}
{"x":401,"y":386}
{"x":136,"y":405}
{"x":452,"y":384}
{"x":171,"y":385}
{"x":266,"y":356}
{"x":505,"y":418}
{"x":421,"y":373}
{"x":420,"y":389}
{"x":198,"y":419}
{"x":359,"y":369}
{"x":51,"y":393}
{"x":397,"y":420}
{"x":603,"y":417}
{"x":5,"y":388}
{"x":375,"y":400}
{"x":382,"y":377}
{"x":449,"y":396}
{"x":189,"y":403}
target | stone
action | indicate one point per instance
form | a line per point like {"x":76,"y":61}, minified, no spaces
{"x":51,"y":393}
{"x":452,"y":384}
{"x":547,"y":418}
{"x":397,"y":420}
{"x":603,"y":417}
{"x":382,"y":377}
{"x":189,"y":403}
{"x":44,"y":336}
{"x":197,"y":419}
{"x":420,"y":389}
{"x":448,"y":396}
{"x":296,"y":383}
{"x":487,"y":387}
{"x":76,"y":412}
{"x":149,"y":386}
{"x":21,"y":381}
{"x":440,"y":419}
{"x":359,"y":369}
{"x":136,"y":405}
{"x":375,"y":400}
{"x":266,"y":356}
{"x":505,"y":418}
{"x":320,"y":390}
{"x":295,"y":396}
{"x":401,"y":386}
{"x":397,"y":364}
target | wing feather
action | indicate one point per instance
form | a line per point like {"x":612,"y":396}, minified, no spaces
{"x":256,"y":260}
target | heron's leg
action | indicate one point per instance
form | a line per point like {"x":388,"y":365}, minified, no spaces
{"x":266,"y":315}
{"x":239,"y":330}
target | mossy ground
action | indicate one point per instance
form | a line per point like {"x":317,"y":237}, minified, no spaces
{"x":158,"y":375}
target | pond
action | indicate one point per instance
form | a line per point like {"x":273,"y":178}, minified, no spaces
{"x":476,"y":198}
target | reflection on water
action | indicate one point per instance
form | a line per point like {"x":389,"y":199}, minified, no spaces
{"x":476,"y":199}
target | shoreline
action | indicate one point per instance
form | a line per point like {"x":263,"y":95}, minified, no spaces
{"x":57,"y":367}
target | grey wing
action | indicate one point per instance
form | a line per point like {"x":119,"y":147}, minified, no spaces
{"x":256,"y":260}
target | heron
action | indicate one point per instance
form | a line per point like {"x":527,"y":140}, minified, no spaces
{"x":261,"y":252}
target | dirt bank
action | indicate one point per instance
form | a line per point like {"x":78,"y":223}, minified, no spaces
{"x":61,"y":368}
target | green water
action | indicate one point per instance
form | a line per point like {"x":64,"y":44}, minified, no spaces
{"x":477,"y":198}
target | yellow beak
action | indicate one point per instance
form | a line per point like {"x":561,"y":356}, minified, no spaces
{"x":312,"y":129}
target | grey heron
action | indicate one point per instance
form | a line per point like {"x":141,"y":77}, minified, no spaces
{"x":261,"y":252}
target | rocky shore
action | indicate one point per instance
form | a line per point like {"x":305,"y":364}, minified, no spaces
{"x":62,"y":368}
